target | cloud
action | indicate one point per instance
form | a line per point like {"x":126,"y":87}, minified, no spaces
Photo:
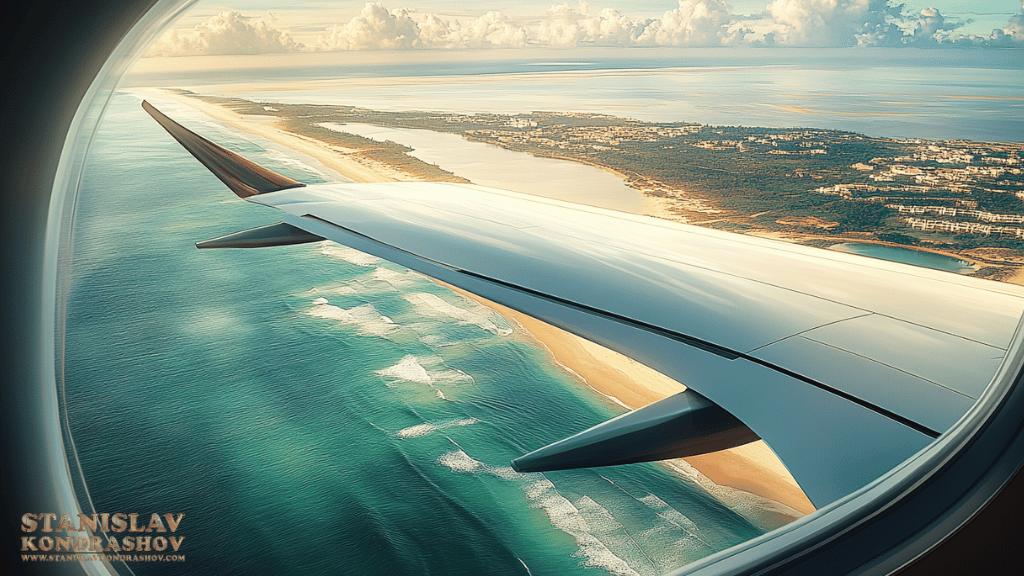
{"x":693,"y":23}
{"x":930,"y":24}
{"x":491,"y":29}
{"x":814,"y":23}
{"x":1012,"y":34}
{"x":832,"y":22}
{"x":375,"y":28}
{"x":378,"y":28}
{"x":564,"y":26}
{"x":226,"y":33}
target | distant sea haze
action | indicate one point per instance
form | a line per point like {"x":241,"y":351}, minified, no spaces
{"x":897,"y":93}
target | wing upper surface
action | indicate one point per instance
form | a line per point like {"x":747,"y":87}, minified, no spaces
{"x":691,"y":273}
{"x":844,"y":365}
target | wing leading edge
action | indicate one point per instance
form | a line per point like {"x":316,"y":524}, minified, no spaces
{"x":845,"y":366}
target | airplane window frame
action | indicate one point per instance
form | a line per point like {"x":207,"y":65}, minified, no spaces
{"x":877,"y":530}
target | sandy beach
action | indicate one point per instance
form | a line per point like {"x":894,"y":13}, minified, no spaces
{"x":746,"y":476}
{"x":752,"y":468}
{"x":336,"y":158}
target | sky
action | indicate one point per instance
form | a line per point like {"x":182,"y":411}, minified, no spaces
{"x":274,"y":26}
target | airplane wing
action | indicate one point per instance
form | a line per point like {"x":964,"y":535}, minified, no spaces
{"x":846,"y":366}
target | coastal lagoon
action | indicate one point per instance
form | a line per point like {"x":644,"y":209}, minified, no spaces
{"x":489,"y":165}
{"x":905,"y":256}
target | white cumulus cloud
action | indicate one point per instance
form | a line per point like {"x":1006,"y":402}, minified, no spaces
{"x":816,"y":23}
{"x":1012,"y":34}
{"x":930,"y":24}
{"x":565,"y":26}
{"x":832,"y":22}
{"x":693,"y":23}
{"x":378,"y":28}
{"x":226,"y":33}
{"x":491,"y":29}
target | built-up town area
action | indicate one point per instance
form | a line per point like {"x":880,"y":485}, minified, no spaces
{"x":957,"y":196}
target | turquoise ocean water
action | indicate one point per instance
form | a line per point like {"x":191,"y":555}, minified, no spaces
{"x":311,"y":409}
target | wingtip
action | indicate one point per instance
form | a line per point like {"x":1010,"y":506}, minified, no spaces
{"x":244,"y":177}
{"x":149,"y":108}
{"x":685,"y":424}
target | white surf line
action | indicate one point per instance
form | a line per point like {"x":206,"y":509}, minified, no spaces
{"x":427,"y":428}
{"x":638,"y":547}
{"x":626,"y":532}
{"x":589,"y":545}
{"x":660,"y":515}
{"x":568,"y":370}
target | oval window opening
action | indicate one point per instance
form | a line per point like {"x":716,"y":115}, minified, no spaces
{"x":569,"y":289}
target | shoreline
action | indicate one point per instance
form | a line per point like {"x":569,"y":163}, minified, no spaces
{"x":333,"y":157}
{"x":746,"y":474}
{"x":752,"y":469}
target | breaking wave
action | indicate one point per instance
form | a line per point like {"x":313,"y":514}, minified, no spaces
{"x":562,"y":513}
{"x":755,"y":509}
{"x":288,"y":160}
{"x":398,"y":279}
{"x":476,"y":314}
{"x":369,"y":321}
{"x":408,"y":370}
{"x":334,"y":289}
{"x":669,"y":513}
{"x":428,"y":428}
{"x":350,"y":255}
{"x":459,"y":461}
{"x":567,"y":517}
{"x":415,"y":369}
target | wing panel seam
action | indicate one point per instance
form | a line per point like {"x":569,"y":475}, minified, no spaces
{"x":802,"y":332}
{"x":918,"y":376}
